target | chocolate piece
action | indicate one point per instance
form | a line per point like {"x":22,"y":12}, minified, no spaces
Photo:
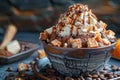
{"x":9,"y":69}
{"x":22,"y":67}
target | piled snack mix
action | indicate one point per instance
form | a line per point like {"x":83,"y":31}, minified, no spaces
{"x":78,"y":27}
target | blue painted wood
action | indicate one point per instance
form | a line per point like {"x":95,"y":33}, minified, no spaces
{"x":33,"y":37}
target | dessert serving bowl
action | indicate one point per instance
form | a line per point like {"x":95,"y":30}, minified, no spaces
{"x":75,"y":61}
{"x":79,"y":42}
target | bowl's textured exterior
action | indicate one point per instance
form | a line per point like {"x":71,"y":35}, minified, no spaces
{"x":73,"y":61}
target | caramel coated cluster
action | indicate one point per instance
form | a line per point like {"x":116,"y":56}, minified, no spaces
{"x":78,"y":27}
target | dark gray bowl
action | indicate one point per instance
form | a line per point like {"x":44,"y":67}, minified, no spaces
{"x":73,"y":61}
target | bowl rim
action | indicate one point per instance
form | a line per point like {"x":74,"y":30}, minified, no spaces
{"x":104,"y":47}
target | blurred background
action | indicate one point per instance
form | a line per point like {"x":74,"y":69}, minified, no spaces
{"x":33,"y":16}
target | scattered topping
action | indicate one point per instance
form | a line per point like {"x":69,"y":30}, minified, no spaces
{"x":22,"y":67}
{"x":41,"y":54}
{"x":49,"y":73}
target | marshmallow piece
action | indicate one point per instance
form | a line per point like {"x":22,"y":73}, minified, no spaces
{"x":74,"y":31}
{"x":93,"y":21}
{"x":49,"y":30}
{"x":81,"y":17}
{"x":65,"y":31}
{"x":13,"y":47}
{"x":102,"y":24}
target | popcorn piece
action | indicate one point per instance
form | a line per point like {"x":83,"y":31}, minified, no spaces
{"x":65,"y":31}
{"x":92,"y":43}
{"x":22,"y":67}
{"x":77,"y":23}
{"x":50,"y":30}
{"x":68,"y":20}
{"x":102,"y":25}
{"x":74,"y":30}
{"x":77,"y":20}
{"x":110,"y":34}
{"x":56,"y":43}
{"x":41,"y":54}
{"x":106,"y":41}
{"x":93,"y":21}
{"x":65,"y":45}
{"x":81,"y":17}
{"x":90,"y":28}
{"x":98,"y":36}
{"x":76,"y":43}
{"x":43,"y":35}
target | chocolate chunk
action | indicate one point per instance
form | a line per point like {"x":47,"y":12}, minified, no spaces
{"x":109,"y":75}
{"x":10,"y":76}
{"x":9,"y":69}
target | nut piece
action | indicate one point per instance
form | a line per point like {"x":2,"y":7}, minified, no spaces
{"x":102,"y":25}
{"x":92,"y":43}
{"x":98,"y":37}
{"x":56,"y":43}
{"x":41,"y":54}
{"x":106,"y":41}
{"x":43,"y":35}
{"x":110,"y":34}
{"x":22,"y":67}
{"x":76,"y":43}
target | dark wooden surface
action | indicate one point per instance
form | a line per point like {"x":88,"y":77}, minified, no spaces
{"x":33,"y":37}
{"x":41,"y":14}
